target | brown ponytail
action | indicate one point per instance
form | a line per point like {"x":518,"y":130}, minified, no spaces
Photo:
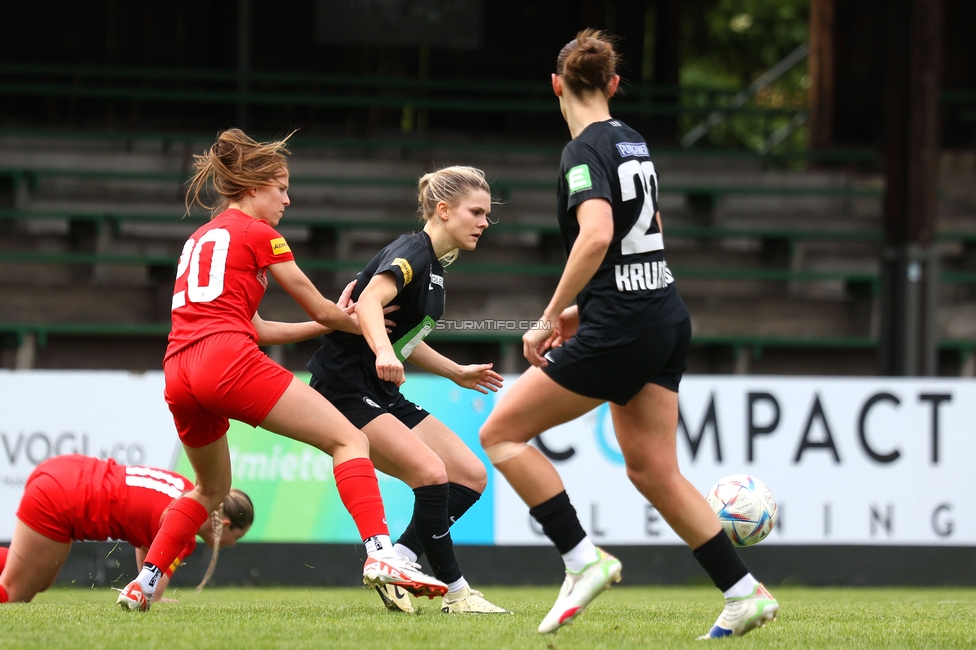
{"x":234,"y":164}
{"x":588,"y":63}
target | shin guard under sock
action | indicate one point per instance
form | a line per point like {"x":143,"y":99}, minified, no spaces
{"x":180,"y":526}
{"x":559,"y":522}
{"x":459,"y":501}
{"x":433,"y":527}
{"x":721,"y":561}
{"x":360,"y":493}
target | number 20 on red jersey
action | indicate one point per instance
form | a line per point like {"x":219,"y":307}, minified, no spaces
{"x":190,"y":259}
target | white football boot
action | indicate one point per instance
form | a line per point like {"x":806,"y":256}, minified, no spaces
{"x":469,"y":601}
{"x":744,"y":614}
{"x":133,"y":598}
{"x":579,"y":589}
{"x":380,"y":571}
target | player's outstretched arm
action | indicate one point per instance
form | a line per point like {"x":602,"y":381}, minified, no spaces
{"x":477,"y":376}
{"x":272,"y":332}
{"x":380,"y":291}
{"x":323,"y":311}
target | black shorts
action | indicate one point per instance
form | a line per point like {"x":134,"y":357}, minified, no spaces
{"x":361,"y":407}
{"x":615,"y":370}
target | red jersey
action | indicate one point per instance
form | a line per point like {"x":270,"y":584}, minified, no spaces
{"x":104,"y":500}
{"x":222,"y":276}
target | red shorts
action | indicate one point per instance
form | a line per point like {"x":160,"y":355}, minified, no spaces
{"x":219,"y":377}
{"x":47,"y":505}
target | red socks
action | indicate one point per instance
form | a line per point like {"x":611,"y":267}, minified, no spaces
{"x":3,"y":559}
{"x":180,"y":526}
{"x":360,"y":493}
{"x":3,"y":595}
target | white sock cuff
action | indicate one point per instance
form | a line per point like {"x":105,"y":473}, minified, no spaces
{"x":742,"y":588}
{"x":457,"y":585}
{"x":379,"y":545}
{"x":581,"y":555}
{"x":405,"y":552}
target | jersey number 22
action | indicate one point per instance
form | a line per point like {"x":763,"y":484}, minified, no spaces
{"x":637,"y":240}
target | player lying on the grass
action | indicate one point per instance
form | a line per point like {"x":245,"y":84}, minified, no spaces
{"x":361,"y":376}
{"x":79,"y":498}
{"x":624,"y":342}
{"x":215,"y":371}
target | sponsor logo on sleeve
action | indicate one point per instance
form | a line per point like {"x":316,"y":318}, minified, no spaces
{"x":632,"y":149}
{"x":578,"y":179}
{"x":279,"y":246}
{"x":405,"y":268}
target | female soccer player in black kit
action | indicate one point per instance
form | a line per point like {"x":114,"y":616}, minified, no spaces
{"x":625,"y":341}
{"x":361,"y":377}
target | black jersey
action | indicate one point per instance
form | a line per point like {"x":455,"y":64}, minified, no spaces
{"x":633,"y":289}
{"x":345,"y":361}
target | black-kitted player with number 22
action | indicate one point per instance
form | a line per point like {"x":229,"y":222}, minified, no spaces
{"x":624,"y":342}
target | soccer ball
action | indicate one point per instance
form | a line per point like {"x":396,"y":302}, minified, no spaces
{"x":745,"y":507}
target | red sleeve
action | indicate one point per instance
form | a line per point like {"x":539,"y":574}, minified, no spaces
{"x":179,"y":559}
{"x":268,"y":246}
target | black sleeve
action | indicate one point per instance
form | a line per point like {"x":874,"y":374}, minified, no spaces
{"x":586,"y":176}
{"x":406,"y":259}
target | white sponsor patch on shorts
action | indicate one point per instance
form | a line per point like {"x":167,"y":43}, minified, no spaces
{"x":370,"y":402}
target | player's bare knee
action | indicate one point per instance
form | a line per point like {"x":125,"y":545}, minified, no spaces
{"x":479,"y":480}
{"x":473,"y":475}
{"x":15,"y":595}
{"x":430,"y":473}
{"x":433,"y":478}
{"x":491,"y":435}
{"x":212,"y":494}
{"x":350,"y":439}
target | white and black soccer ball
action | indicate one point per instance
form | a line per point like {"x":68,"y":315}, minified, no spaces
{"x":745,"y":507}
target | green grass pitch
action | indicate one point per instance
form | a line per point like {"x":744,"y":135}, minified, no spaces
{"x":626,"y":617}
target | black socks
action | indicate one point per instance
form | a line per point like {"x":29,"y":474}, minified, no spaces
{"x":559,"y":522}
{"x":459,"y":501}
{"x":432,"y":526}
{"x":721,"y":561}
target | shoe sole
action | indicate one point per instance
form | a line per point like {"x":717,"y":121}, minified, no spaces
{"x":131,"y":606}
{"x":759,"y":621}
{"x":390,"y":603}
{"x":570,"y":615}
{"x":418,"y":589}
{"x":448,"y":610}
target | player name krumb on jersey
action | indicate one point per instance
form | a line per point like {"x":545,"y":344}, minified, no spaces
{"x":649,"y":276}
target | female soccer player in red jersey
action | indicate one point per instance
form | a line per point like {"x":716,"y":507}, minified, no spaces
{"x":77,"y":498}
{"x":625,"y":341}
{"x":215,"y":371}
